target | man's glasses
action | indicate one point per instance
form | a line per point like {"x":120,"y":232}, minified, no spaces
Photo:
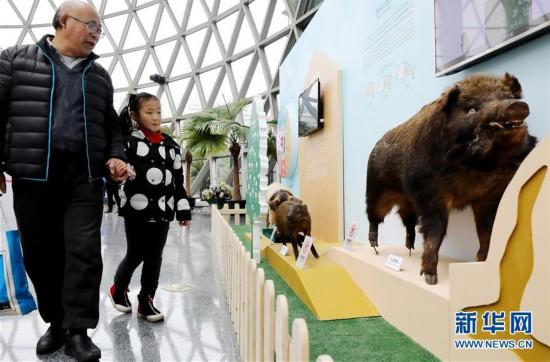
{"x":92,"y":25}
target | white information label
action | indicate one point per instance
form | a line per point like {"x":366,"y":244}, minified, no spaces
{"x":394,"y":262}
{"x":351,"y":235}
{"x":284,"y":250}
{"x":304,"y":253}
{"x":272,"y":237}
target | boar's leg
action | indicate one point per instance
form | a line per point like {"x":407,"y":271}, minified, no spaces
{"x":434,"y":221}
{"x":314,"y":252}
{"x":410,"y":220}
{"x":379,"y":204}
{"x":374,"y":217}
{"x":295,"y":248}
{"x":484,"y":213}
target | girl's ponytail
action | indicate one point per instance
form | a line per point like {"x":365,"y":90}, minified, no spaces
{"x":124,"y":116}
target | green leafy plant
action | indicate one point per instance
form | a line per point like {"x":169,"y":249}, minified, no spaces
{"x":212,"y":131}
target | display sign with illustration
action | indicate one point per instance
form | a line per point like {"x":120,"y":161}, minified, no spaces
{"x":286,"y":148}
{"x":257,"y":162}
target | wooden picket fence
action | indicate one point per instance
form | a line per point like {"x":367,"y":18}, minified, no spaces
{"x":237,"y":215}
{"x":259,"y":318}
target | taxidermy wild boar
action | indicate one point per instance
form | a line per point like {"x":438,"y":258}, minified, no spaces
{"x":462,"y":149}
{"x":291,"y":218}
{"x":275,"y":200}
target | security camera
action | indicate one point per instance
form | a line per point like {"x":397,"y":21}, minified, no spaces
{"x":158,"y":79}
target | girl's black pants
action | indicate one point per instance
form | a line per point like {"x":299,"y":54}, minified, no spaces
{"x":145,"y":243}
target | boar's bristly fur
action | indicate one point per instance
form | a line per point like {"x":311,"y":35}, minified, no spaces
{"x":291,"y":219}
{"x":460,"y":150}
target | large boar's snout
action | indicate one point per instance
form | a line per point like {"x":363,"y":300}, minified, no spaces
{"x":517,"y":110}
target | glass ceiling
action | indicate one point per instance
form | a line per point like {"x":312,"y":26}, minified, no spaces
{"x":209,"y":51}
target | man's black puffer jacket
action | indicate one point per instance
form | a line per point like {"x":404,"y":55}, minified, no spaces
{"x":27,"y":98}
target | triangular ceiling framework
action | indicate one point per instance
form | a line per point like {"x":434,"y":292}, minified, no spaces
{"x":226,"y":28}
{"x":181,"y":65}
{"x":132,"y":61}
{"x":149,"y":69}
{"x":257,"y":83}
{"x":164,"y":54}
{"x":226,"y":5}
{"x":166,"y":27}
{"x":134,"y":37}
{"x":214,"y":52}
{"x":197,"y":16}
{"x":258,"y":9}
{"x":119,"y":76}
{"x":43,"y":13}
{"x":144,"y":35}
{"x":245,"y":40}
{"x":224,"y":93}
{"x":178,"y":8}
{"x":194,"y":42}
{"x":147,"y":18}
{"x":240,"y":70}
{"x":208,"y":80}
{"x":9,"y":16}
{"x":114,"y":6}
{"x":178,"y":89}
{"x":115,"y":27}
{"x":24,"y":7}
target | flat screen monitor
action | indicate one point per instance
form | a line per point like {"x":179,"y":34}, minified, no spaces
{"x":309,"y":115}
{"x":468,"y":31}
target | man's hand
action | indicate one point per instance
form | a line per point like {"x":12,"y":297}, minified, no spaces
{"x":185,"y":223}
{"x":118,"y":169}
{"x":2,"y":183}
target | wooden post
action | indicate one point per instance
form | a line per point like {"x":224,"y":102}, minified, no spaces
{"x":281,"y":329}
{"x":260,"y":326}
{"x":324,"y":358}
{"x":269,"y":321}
{"x":243,"y":300}
{"x":251,"y":308}
{"x":299,"y":342}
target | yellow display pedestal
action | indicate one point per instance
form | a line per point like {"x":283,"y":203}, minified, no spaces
{"x":323,"y":285}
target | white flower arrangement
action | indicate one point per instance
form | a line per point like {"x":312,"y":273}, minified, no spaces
{"x":221,"y":191}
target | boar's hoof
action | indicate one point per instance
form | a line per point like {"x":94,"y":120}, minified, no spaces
{"x":481,"y":256}
{"x":373,"y":238}
{"x":409,"y":242}
{"x":431,"y":279}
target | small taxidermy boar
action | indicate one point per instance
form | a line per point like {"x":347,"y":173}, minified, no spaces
{"x":291,"y":218}
{"x":460,"y":150}
{"x":275,"y":200}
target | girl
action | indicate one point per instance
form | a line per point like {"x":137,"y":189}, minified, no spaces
{"x":148,"y":204}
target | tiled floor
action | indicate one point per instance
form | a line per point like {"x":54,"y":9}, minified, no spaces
{"x":197,"y":326}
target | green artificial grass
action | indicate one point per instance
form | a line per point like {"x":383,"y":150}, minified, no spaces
{"x":359,"y":339}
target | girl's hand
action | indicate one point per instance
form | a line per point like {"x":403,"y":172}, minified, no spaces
{"x":117,"y":169}
{"x":131,"y":172}
{"x":185,"y":223}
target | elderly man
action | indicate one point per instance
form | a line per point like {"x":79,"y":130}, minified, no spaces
{"x":59,"y":136}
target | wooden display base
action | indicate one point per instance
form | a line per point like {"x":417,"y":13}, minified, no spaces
{"x":323,"y":285}
{"x":403,"y":298}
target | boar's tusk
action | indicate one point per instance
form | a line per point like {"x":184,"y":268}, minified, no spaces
{"x":496,"y":124}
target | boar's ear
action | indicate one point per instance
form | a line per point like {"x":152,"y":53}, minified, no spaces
{"x":274,"y":203}
{"x":513,"y":83}
{"x":448,"y":99}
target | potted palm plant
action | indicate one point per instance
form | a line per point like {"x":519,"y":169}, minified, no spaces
{"x":212,"y":131}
